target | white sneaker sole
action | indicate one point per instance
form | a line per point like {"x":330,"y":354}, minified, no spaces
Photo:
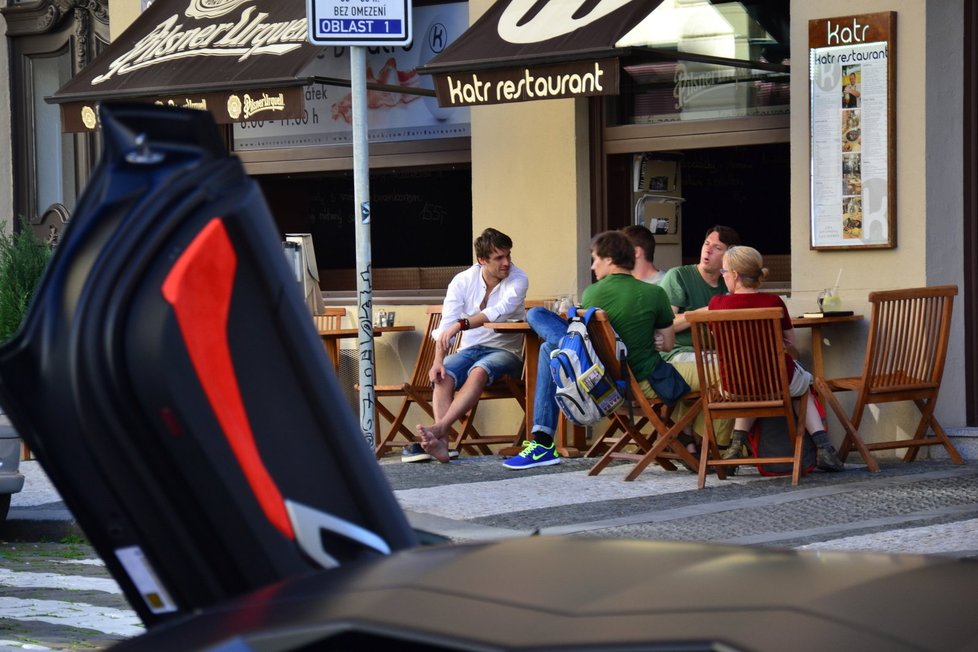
{"x":424,"y":457}
{"x":535,"y":465}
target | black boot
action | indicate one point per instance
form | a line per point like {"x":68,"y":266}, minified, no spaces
{"x":736,"y":445}
{"x":827,"y":458}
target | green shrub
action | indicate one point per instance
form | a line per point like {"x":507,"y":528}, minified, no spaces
{"x":23,"y":258}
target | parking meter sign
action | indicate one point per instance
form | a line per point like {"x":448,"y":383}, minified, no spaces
{"x":359,"y":22}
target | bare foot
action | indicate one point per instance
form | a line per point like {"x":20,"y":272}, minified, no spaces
{"x":434,"y":444}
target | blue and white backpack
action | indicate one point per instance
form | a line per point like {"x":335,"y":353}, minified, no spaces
{"x":585,"y":391}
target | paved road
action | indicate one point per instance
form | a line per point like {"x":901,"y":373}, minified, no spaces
{"x":59,"y":596}
{"x":928,"y":507}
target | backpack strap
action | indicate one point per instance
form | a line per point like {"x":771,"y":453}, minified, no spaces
{"x":572,"y":313}
{"x":588,"y":314}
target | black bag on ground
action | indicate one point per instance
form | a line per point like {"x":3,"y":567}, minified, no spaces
{"x":769,"y":438}
{"x":183,"y":449}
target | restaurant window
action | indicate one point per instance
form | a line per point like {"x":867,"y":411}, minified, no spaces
{"x":705,"y":61}
{"x":745,"y":187}
{"x":719,"y":73}
{"x":420,"y":231}
{"x":49,"y":42}
{"x":419,"y":159}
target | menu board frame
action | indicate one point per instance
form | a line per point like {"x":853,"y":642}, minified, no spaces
{"x":852,"y":122}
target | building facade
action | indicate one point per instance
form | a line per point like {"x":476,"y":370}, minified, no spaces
{"x":552,"y":173}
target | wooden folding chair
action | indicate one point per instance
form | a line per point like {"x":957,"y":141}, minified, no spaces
{"x":905,"y":354}
{"x":416,"y":391}
{"x":471,"y":439}
{"x":331,"y":319}
{"x":740,"y":360}
{"x":662,"y":444}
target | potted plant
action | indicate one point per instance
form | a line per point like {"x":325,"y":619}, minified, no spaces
{"x":23,"y":258}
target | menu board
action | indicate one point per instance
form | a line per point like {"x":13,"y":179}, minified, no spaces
{"x":852,"y":75}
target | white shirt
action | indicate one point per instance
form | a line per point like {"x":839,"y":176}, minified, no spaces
{"x":507,"y":301}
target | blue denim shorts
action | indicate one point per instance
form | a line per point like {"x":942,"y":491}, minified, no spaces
{"x":496,"y":362}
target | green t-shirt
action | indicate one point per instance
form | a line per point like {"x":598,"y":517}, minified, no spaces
{"x":636,"y":309}
{"x":686,"y":289}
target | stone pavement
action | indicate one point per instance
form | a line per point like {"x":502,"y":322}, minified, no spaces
{"x":929,"y":506}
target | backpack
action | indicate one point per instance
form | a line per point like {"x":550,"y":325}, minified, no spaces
{"x":585,"y":391}
{"x":769,"y":437}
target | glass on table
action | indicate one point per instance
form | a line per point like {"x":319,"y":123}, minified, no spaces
{"x":829,"y":300}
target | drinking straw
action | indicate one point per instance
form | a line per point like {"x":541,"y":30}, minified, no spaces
{"x":838,"y":278}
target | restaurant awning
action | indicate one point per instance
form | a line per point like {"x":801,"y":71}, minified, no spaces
{"x":242,"y":60}
{"x":522,"y":50}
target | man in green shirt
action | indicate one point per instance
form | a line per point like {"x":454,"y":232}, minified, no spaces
{"x":638,"y":311}
{"x":690,"y":287}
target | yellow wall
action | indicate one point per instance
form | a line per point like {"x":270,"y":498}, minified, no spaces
{"x":928,"y":193}
{"x":863,"y":271}
{"x":530,"y":180}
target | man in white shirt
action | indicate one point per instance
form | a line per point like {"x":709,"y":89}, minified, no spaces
{"x":492,"y":290}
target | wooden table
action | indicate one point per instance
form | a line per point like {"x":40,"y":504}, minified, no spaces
{"x":332,"y":337}
{"x":816,"y":324}
{"x":531,"y":352}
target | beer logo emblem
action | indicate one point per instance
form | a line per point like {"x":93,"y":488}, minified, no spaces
{"x":234,"y":107}
{"x":201,"y":9}
{"x":88,"y":117}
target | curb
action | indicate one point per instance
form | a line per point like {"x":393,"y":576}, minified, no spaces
{"x":36,"y":531}
{"x":27,"y":524}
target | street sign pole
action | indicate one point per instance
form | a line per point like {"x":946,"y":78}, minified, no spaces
{"x":361,"y":202}
{"x":357,"y":24}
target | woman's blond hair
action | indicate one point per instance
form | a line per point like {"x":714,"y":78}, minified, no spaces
{"x":748,"y":264}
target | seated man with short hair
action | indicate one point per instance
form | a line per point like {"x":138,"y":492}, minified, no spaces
{"x":638,"y":311}
{"x":492,"y":290}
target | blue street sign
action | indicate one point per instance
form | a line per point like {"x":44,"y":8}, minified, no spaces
{"x":359,"y":22}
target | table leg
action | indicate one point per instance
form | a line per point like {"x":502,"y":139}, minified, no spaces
{"x":817,"y":367}
{"x":333,"y":352}
{"x":531,"y":351}
{"x":571,"y":440}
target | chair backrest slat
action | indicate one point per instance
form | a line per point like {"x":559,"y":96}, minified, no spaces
{"x":331,"y":319}
{"x":741,"y":355}
{"x":426,"y":353}
{"x":908,"y":336}
{"x":603,"y":340}
{"x":743,"y":372}
{"x":602,"y":335}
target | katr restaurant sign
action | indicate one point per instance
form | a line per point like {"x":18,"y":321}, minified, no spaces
{"x":541,"y":82}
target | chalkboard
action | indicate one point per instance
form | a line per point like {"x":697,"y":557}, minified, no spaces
{"x":419,"y":218}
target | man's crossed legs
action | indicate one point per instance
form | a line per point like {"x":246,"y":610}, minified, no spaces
{"x":471,"y":370}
